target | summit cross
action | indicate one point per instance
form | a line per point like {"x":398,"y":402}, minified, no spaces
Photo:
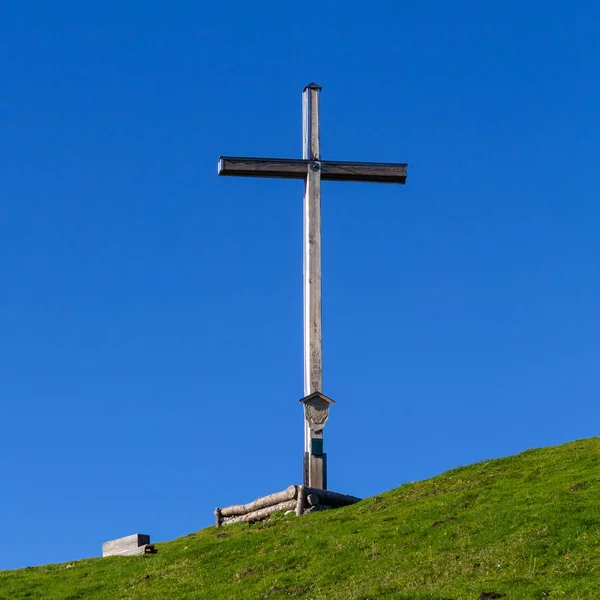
{"x":313,"y":170}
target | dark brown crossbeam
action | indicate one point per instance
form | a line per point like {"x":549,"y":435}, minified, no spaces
{"x":289,"y":168}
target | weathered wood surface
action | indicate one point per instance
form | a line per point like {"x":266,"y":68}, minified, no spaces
{"x":273,"y":499}
{"x":125,"y":544}
{"x":313,"y":500}
{"x":311,"y":137}
{"x":300,"y":501}
{"x":290,"y":168}
{"x":313,"y":367}
{"x":259,"y":515}
{"x":285,"y":168}
{"x":371,"y":172}
{"x":316,"y":412}
{"x":317,"y":472}
{"x":313,"y":352}
{"x":332,"y":498}
{"x":218,"y":517}
{"x":313,"y":370}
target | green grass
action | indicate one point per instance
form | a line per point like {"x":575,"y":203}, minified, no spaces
{"x":527,"y":526}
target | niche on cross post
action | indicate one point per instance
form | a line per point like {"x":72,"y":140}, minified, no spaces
{"x":316,"y":413}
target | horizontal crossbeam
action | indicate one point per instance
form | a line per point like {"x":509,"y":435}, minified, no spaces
{"x":289,"y":168}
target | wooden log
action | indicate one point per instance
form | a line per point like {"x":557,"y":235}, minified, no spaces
{"x":259,"y":515}
{"x":301,"y":501}
{"x":313,"y":499}
{"x":243,"y":509}
{"x":218,"y":517}
{"x":332,"y":498}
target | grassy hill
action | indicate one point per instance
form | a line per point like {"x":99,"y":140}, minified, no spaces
{"x":527,"y":527}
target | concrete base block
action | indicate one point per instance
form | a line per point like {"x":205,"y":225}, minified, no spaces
{"x":145,"y":549}
{"x":126,"y":546}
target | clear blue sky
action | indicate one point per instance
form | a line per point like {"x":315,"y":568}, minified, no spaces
{"x":151,"y":312}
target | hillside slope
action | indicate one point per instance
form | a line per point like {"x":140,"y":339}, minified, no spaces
{"x":526,"y":526}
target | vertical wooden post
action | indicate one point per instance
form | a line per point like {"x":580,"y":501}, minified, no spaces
{"x":316,"y":474}
{"x":313,"y":368}
{"x":218,"y":517}
{"x":301,"y":501}
{"x":313,"y":373}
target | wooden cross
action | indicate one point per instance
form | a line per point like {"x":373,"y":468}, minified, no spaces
{"x":313,"y":170}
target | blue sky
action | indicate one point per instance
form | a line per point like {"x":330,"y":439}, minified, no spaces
{"x":151,"y":312}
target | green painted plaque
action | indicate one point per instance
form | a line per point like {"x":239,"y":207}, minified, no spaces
{"x":316,"y":446}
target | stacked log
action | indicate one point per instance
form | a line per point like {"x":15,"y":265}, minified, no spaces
{"x":297,"y":498}
{"x":263,"y":513}
{"x":301,"y":501}
{"x":325,"y":497}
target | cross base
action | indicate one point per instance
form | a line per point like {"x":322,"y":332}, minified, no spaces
{"x":296,"y":498}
